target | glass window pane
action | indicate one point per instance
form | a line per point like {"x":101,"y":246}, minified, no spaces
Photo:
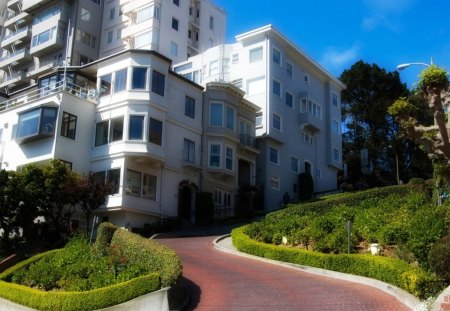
{"x":29,"y":123}
{"x":114,"y":179}
{"x":133,"y":183}
{"x":256,"y":54}
{"x":120,"y":83}
{"x":68,"y":125}
{"x":116,"y":132}
{"x":214,"y":155}
{"x":136,"y":128}
{"x":149,"y":187}
{"x":230,"y":118}
{"x":101,"y":133}
{"x":155,"y":135}
{"x":273,"y":155}
{"x":158,"y":80}
{"x":229,"y":159}
{"x":215,"y":114}
{"x":105,"y":85}
{"x":139,"y":78}
{"x":189,"y":107}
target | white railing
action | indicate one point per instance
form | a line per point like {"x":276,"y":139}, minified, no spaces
{"x":69,"y":87}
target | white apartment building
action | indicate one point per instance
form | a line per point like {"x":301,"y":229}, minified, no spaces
{"x":175,"y":28}
{"x":298,"y":126}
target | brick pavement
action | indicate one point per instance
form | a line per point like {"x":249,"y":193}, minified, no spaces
{"x":218,"y":281}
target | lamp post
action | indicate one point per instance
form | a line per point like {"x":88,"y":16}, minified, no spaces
{"x":406,"y":65}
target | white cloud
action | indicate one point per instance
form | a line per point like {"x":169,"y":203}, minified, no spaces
{"x":370,"y":23}
{"x":337,"y":60}
{"x":385,"y":13}
{"x":389,"y":6}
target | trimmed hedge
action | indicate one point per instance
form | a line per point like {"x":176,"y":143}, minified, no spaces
{"x":105,"y":233}
{"x":152,"y":255}
{"x":390,"y":270}
{"x":162,"y":266}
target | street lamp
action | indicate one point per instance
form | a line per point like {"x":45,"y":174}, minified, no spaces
{"x":403,"y":66}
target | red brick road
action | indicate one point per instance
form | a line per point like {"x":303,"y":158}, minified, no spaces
{"x":219,"y":281}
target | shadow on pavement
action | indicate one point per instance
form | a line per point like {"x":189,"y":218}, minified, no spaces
{"x":194,"y":293}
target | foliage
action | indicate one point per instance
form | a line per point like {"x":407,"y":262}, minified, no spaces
{"x":390,"y":270}
{"x":305,"y":186}
{"x":400,"y":216}
{"x":105,"y":232}
{"x":439,"y":257}
{"x":9,"y":205}
{"x":433,"y":77}
{"x":204,"y":208}
{"x":80,"y":279}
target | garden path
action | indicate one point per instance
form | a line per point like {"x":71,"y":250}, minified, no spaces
{"x":224,"y":282}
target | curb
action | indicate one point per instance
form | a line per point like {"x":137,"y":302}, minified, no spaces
{"x":400,"y":294}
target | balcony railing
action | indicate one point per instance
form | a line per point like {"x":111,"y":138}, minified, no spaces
{"x":247,"y":140}
{"x":12,"y":76}
{"x":81,"y":92}
{"x":16,"y":33}
{"x":24,"y":50}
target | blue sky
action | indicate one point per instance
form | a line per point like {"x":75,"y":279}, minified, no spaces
{"x":339,"y":33}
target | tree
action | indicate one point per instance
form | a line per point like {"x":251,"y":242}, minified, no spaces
{"x":9,"y":206}
{"x":433,"y":84}
{"x":370,"y":91}
{"x":91,"y":195}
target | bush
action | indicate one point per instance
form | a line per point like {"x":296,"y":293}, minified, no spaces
{"x":416,"y":181}
{"x":153,"y":256}
{"x":390,"y":270}
{"x":305,"y":186}
{"x":439,"y":257}
{"x":105,"y":233}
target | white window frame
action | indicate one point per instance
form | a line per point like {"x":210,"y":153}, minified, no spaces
{"x":335,"y":127}
{"x":290,"y":72}
{"x":333,"y":102}
{"x":226,"y":158}
{"x":219,"y":154}
{"x":338,"y":153}
{"x":274,"y":114}
{"x":274,"y":52}
{"x":298,"y":162}
{"x":273,"y":88}
{"x":292,"y":102}
{"x":305,"y":139}
{"x":275,"y":180}
{"x":251,"y":55}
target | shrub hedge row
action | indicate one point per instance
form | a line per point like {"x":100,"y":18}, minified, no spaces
{"x":390,"y":270}
{"x":162,"y":265}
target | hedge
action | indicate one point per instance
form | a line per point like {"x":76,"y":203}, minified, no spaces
{"x":162,"y":265}
{"x":389,"y":270}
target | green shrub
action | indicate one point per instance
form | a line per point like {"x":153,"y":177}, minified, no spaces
{"x":305,"y":186}
{"x":439,"y":257}
{"x":153,"y":256}
{"x":416,"y":181}
{"x":390,"y":270}
{"x":105,"y":233}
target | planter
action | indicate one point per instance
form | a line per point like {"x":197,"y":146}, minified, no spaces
{"x":374,"y":248}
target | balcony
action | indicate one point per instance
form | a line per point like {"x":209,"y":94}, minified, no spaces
{"x":191,"y":161}
{"x":54,"y":43}
{"x":15,"y":58}
{"x":14,"y":4}
{"x":309,"y":122}
{"x":19,"y":36}
{"x":16,"y":18}
{"x":44,"y":66}
{"x":17,"y":78}
{"x":248,"y":142}
{"x":30,"y":6}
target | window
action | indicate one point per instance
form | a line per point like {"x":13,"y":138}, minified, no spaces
{"x":135,"y":131}
{"x":307,"y":138}
{"x":116,"y":129}
{"x":112,"y":12}
{"x":289,"y":100}
{"x":86,"y":15}
{"x":113,"y":176}
{"x":119,"y":33}
{"x":273,"y":155}
{"x":105,"y":85}
{"x":214,"y":155}
{"x":230,"y":118}
{"x":139,"y":78}
{"x":176,"y":2}
{"x":120,"y":82}
{"x":173,"y":49}
{"x":275,"y":182}
{"x":256,"y":54}
{"x":276,"y":88}
{"x":144,"y":14}
{"x":36,"y":123}
{"x":155,"y":135}
{"x":335,"y":100}
{"x":215,"y":114}
{"x":43,"y":37}
{"x":235,"y":58}
{"x":276,"y":56}
{"x":143,"y":40}
{"x":133,"y":183}
{"x":158,"y":81}
{"x":175,"y":24}
{"x":294,"y":165}
{"x":213,"y":68}
{"x":101,"y":133}
{"x":189,"y":151}
{"x":68,"y":125}
{"x":211,"y":22}
{"x":336,"y":155}
{"x":229,"y":158}
{"x":222,"y":198}
{"x":335,"y":126}
{"x":290,"y":70}
{"x":110,"y":37}
{"x":276,"y":122}
{"x":96,"y":1}
{"x":311,"y":107}
{"x":189,"y":107}
{"x":307,"y":80}
{"x":259,"y":119}
{"x":149,"y":187}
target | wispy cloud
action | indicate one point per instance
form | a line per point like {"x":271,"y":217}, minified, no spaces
{"x":337,"y":59}
{"x":385,"y":13}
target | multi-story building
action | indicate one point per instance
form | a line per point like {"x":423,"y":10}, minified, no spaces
{"x":177,"y":29}
{"x":40,"y":35}
{"x":298,"y":126}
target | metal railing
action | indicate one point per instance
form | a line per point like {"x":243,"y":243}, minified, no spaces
{"x":69,"y":87}
{"x":14,"y":54}
{"x":222,"y":212}
{"x":247,"y":140}
{"x":16,"y":33}
{"x":14,"y":75}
